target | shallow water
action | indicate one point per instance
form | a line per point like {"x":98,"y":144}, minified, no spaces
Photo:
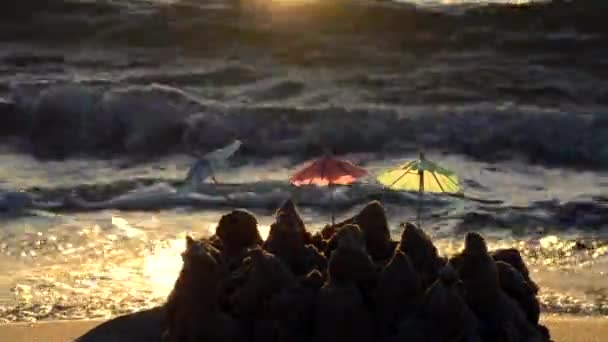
{"x":89,"y":267}
{"x":73,"y":265}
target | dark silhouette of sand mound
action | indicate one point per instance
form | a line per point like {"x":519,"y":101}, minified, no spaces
{"x":362,"y":286}
{"x":143,"y":326}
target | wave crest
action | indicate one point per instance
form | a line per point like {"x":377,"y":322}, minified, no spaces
{"x":152,"y":120}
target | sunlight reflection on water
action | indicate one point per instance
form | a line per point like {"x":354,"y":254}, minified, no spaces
{"x":162,"y":266}
{"x":107,"y":264}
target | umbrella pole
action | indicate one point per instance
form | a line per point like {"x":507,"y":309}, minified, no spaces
{"x":331,"y":204}
{"x":218,"y":183}
{"x":420,"y":191}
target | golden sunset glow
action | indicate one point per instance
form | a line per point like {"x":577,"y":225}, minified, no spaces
{"x":162,"y":266}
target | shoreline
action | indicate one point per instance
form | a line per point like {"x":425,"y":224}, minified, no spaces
{"x":563,"y":328}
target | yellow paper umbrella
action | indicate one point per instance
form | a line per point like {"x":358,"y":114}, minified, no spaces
{"x":420,"y":175}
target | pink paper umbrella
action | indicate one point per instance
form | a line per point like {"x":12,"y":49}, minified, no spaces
{"x":328,"y":171}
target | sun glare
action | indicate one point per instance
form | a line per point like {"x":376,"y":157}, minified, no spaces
{"x":276,"y":3}
{"x":162,"y":266}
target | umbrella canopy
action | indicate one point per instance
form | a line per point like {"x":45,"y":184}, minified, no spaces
{"x":219,"y":157}
{"x":327,"y":170}
{"x":205,"y":165}
{"x":420,"y":175}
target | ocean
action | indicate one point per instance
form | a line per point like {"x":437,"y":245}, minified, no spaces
{"x":104,"y":104}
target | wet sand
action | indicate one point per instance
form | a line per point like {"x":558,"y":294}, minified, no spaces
{"x":53,"y":331}
{"x":563,"y":329}
{"x":577,"y":329}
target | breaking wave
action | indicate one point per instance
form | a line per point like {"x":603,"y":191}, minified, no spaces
{"x":57,"y":121}
{"x":458,"y":212}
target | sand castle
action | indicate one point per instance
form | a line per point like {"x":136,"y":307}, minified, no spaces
{"x":350,"y":282}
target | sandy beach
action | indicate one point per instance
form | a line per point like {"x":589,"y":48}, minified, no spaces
{"x":579,"y":329}
{"x":563,"y":329}
{"x":54,"y":331}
